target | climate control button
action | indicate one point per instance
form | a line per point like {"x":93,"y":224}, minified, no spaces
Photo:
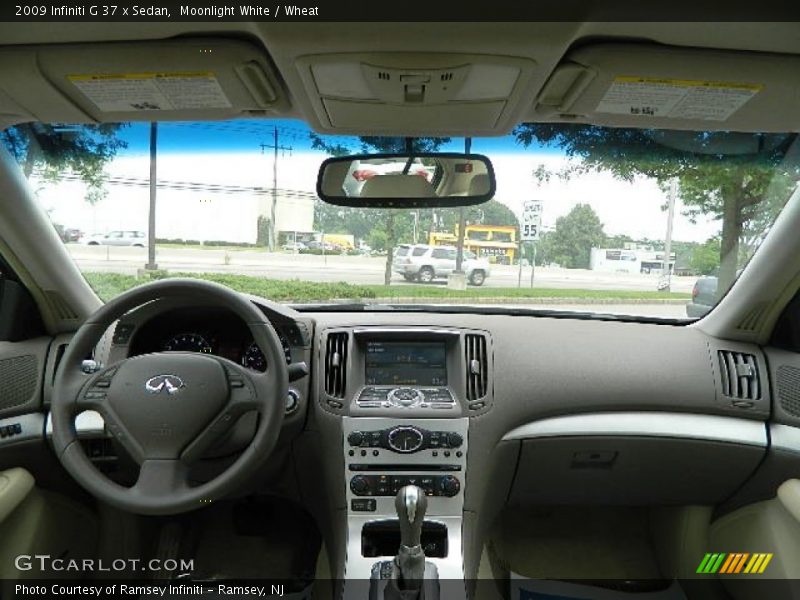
{"x":449,"y":485}
{"x":359,"y":484}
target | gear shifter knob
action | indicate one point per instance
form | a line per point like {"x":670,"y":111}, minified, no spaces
{"x":411,"y":504}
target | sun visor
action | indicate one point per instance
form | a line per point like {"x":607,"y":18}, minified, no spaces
{"x":174,"y":80}
{"x":416,"y":94}
{"x":644,"y":85}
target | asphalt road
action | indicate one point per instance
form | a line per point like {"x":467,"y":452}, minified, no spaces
{"x":352,"y":269}
{"x":370,"y":270}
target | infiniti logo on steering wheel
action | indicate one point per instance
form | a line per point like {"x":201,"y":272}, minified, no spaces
{"x":171,"y":384}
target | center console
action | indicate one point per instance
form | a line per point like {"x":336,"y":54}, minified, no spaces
{"x":432,"y":455}
{"x":405,"y":396}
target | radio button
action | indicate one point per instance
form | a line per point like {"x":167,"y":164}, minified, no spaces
{"x":355,"y":438}
{"x":454,"y":440}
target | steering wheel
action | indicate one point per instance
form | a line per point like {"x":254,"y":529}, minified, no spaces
{"x":167,"y":408}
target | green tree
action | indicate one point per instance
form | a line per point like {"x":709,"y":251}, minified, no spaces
{"x":50,"y":150}
{"x":377,"y":240}
{"x":489,"y":213}
{"x":705,"y":257}
{"x":393,"y":224}
{"x":734,"y":177}
{"x":575,"y":234}
{"x":617,"y":241}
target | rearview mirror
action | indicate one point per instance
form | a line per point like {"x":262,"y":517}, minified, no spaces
{"x":422,"y":180}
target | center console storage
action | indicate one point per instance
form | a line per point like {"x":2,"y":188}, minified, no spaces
{"x":382,"y":538}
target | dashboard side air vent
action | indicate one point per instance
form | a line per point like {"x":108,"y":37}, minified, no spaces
{"x":336,"y":364}
{"x":739,"y":375}
{"x":477,"y":363}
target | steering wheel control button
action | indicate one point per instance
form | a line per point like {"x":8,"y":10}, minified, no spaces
{"x":94,"y":395}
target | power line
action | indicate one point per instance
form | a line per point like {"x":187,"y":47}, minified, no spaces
{"x":198,"y":186}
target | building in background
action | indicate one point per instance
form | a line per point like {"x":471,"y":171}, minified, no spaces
{"x":631,"y":259}
{"x":495,"y":242}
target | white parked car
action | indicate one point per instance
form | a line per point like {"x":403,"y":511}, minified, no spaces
{"x":424,"y":263}
{"x":294,"y":246}
{"x":117,"y":238}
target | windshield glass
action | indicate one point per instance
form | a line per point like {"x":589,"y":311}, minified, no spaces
{"x":628,"y":221}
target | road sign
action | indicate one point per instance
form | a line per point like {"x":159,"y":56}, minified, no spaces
{"x":531,"y":220}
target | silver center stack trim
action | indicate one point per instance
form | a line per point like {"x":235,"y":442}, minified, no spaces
{"x":647,"y":424}
{"x":445,"y":510}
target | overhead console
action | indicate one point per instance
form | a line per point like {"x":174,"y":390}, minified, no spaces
{"x":407,"y":93}
{"x":406,"y":371}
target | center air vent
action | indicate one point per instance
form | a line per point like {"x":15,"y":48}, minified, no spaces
{"x":336,"y":364}
{"x":739,"y":375}
{"x":477,"y":366}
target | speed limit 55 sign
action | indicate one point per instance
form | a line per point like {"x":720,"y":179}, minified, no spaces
{"x":531,"y":220}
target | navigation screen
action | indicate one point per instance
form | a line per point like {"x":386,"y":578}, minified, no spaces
{"x":403,"y":363}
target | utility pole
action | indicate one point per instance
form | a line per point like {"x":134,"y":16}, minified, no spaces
{"x":151,"y":220}
{"x":667,"y":269}
{"x":461,"y":220}
{"x":275,"y":146}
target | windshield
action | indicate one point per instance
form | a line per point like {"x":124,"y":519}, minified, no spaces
{"x":629,"y":221}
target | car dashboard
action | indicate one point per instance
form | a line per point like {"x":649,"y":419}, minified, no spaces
{"x":483,"y":411}
{"x":210,"y":330}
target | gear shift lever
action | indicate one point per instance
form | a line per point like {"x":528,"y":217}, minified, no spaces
{"x":410,"y":504}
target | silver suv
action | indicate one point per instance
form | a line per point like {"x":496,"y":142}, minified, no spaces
{"x":424,"y":263}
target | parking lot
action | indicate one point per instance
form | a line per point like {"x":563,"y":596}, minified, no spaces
{"x":353,"y":269}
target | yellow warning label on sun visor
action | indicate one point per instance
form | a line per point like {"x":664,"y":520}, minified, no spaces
{"x":676,"y":98}
{"x":127,"y":92}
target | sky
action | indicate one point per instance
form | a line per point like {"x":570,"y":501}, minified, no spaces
{"x":230,"y":153}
